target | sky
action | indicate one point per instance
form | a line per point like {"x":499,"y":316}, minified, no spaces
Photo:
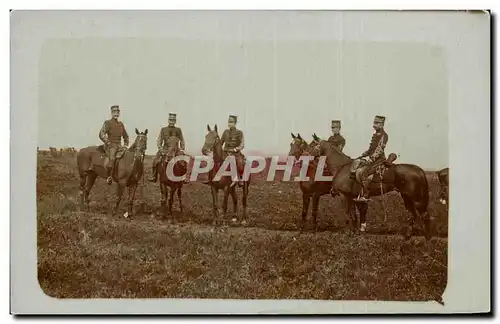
{"x":275,"y":85}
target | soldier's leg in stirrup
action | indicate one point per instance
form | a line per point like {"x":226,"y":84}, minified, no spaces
{"x":240,"y":166}
{"x":365,"y":186}
{"x":111,"y":165}
{"x":154,"y":174}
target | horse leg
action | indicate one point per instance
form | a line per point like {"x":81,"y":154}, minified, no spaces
{"x":315,"y":206}
{"x":351,"y":213}
{"x":246,"y":185}
{"x":306,"y":198}
{"x":119,"y":194}
{"x":215,"y":205}
{"x":171,"y":202}
{"x":131,"y":197}
{"x":91,"y":177}
{"x":224,"y":201}
{"x":163,"y":202}
{"x":234,"y":198}
{"x":83,"y":181}
{"x":179,"y":196}
{"x":408,"y":231}
{"x":362,"y":208}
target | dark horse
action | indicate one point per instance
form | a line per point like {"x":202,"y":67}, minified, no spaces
{"x":178,"y":170}
{"x":443,"y":176}
{"x":407,"y":179}
{"x":127,"y":173}
{"x":310,"y":188}
{"x":213,"y":147}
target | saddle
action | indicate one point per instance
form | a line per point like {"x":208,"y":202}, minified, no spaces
{"x":384,"y":172}
{"x":119,"y":154}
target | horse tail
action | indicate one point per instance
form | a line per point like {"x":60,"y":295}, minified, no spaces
{"x":422,"y":207}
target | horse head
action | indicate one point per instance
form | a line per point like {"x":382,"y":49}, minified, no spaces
{"x":172,"y":147}
{"x":297,"y":146}
{"x":140,"y":144}
{"x":213,"y":143}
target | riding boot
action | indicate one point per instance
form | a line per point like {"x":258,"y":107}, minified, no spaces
{"x":109,"y":179}
{"x":154,"y":176}
{"x":352,"y":175}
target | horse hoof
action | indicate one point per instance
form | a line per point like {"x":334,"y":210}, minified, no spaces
{"x":234,"y":220}
{"x":125,"y":215}
{"x":363,"y":227}
{"x":243,"y":222}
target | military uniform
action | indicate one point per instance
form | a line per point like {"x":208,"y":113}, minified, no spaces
{"x":233,"y":142}
{"x":375,"y":156}
{"x":161,"y":142}
{"x":111,"y":134}
{"x":337,"y":139}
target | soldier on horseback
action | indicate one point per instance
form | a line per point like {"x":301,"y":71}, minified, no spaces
{"x":372,"y":158}
{"x":233,"y":141}
{"x":111,"y":134}
{"x":161,"y":142}
{"x":337,"y":139}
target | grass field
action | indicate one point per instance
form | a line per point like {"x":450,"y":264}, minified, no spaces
{"x":95,"y":255}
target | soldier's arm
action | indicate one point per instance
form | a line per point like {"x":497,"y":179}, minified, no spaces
{"x":223,"y":137}
{"x":242,"y":143}
{"x":181,"y":140}
{"x":379,"y":150}
{"x":159,"y":141}
{"x":342,"y":144}
{"x":125,"y":136}
{"x":103,"y":133}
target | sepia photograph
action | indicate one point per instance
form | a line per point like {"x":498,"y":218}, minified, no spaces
{"x":254,"y":155}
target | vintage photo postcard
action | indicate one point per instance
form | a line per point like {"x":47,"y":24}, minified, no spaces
{"x":244,"y":162}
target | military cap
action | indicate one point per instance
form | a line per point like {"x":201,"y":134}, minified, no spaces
{"x":233,"y":118}
{"x":379,"y":119}
{"x":172,"y":116}
{"x":115,"y":107}
{"x":335,"y":123}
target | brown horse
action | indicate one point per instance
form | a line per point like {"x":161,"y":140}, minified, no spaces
{"x":407,"y":179}
{"x":443,"y":176}
{"x":127,"y":173}
{"x":213,"y":147}
{"x":172,"y":150}
{"x":310,"y":188}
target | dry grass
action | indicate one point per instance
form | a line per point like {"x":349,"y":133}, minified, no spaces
{"x":90,"y":255}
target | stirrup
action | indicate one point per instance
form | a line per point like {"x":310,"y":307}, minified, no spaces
{"x":109,"y":180}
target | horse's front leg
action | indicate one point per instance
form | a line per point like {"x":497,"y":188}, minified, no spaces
{"x":306,"y":198}
{"x":131,"y":198}
{"x":350,"y":213}
{"x":315,"y":206}
{"x":119,"y":193}
{"x":179,"y":196}
{"x":224,"y":201}
{"x":215,"y":205}
{"x":234,"y":199}
{"x":171,"y":202}
{"x":246,"y":186}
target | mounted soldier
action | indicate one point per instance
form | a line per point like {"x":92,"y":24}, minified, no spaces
{"x":161,"y":143}
{"x":368,"y":162}
{"x":233,"y":142}
{"x":337,"y":139}
{"x":111,"y":134}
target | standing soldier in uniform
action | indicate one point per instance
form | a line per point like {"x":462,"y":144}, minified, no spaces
{"x":375,"y":155}
{"x":234,"y":142}
{"x":111,"y":134}
{"x":165,"y":133}
{"x":337,"y":139}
